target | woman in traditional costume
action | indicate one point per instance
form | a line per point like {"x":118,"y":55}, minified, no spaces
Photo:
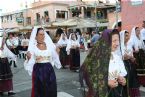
{"x":103,"y":70}
{"x":73,"y":49}
{"x":129,"y":61}
{"x":62,"y":43}
{"x":24,"y":44}
{"x":42,"y":56}
{"x":139,"y":54}
{"x":6,"y":84}
{"x":12,"y":44}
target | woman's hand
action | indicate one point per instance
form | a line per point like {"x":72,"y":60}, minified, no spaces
{"x":136,"y":51}
{"x":132,"y":59}
{"x":57,"y":50}
{"x":126,"y":57}
{"x":28,"y":55}
{"x":72,"y":46}
{"x":122,"y":80}
{"x":112,"y":83}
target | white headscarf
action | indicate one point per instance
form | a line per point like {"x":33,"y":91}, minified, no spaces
{"x":5,"y":52}
{"x":122,"y":33}
{"x":71,"y":42}
{"x":62,"y":41}
{"x":129,"y":43}
{"x":137,"y":43}
{"x":29,"y":64}
{"x":1,"y":38}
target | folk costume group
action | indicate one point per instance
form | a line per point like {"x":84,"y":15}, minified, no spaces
{"x":114,"y":66}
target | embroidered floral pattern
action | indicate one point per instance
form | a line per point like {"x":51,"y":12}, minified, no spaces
{"x":97,"y":65}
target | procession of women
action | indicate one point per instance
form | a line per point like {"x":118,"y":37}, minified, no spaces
{"x":114,"y":67}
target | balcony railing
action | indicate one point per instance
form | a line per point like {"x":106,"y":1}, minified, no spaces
{"x":102,"y":20}
{"x":41,"y":22}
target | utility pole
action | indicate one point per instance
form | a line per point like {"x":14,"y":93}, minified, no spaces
{"x":0,"y":19}
{"x":26,"y":8}
{"x":96,"y":3}
{"x":116,"y":6}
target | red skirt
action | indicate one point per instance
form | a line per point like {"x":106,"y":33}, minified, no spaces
{"x":134,"y":92}
{"x":141,"y":80}
{"x":6,"y":85}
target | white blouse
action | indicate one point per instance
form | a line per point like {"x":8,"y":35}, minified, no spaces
{"x":7,"y":53}
{"x":15,"y":41}
{"x":138,"y":44}
{"x":128,"y":49}
{"x":116,"y":67}
{"x":42,"y":56}
{"x":62,"y":43}
{"x":25,"y":42}
{"x":75,"y":43}
{"x":10,"y":42}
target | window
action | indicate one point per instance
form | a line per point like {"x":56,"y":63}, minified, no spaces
{"x":46,"y":16}
{"x":38,"y":17}
{"x":76,"y":12}
{"x":88,"y":14}
{"x":2,"y":19}
{"x":29,"y":20}
{"x":11,"y":17}
{"x":46,"y":13}
{"x":7,"y":18}
{"x":62,"y":14}
{"x":99,"y":14}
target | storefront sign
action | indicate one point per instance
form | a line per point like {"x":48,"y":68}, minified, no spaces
{"x":19,"y":20}
{"x":136,"y":2}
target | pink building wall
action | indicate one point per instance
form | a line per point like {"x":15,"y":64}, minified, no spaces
{"x":132,"y":15}
{"x":112,"y":19}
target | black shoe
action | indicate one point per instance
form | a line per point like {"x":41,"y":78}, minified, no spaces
{"x":15,"y":64}
{"x":1,"y":94}
{"x":20,"y":56}
{"x":23,"y":56}
{"x":11,"y":93}
{"x":10,"y":63}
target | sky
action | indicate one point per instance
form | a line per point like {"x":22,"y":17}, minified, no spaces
{"x":12,"y":5}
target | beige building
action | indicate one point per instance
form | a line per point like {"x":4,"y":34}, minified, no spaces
{"x":46,"y":12}
{"x":42,"y":12}
{"x":12,"y":20}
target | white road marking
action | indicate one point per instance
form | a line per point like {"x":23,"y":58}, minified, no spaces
{"x":63,"y":94}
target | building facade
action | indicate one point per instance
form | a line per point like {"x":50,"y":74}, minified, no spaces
{"x":132,"y":13}
{"x":46,"y":12}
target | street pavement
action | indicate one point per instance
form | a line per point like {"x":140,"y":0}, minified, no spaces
{"x":67,"y":81}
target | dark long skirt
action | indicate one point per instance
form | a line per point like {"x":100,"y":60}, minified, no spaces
{"x":15,"y":50}
{"x":43,"y":81}
{"x":64,"y":58}
{"x":24,"y":48}
{"x":140,"y":61}
{"x":132,"y":79}
{"x":120,"y":91}
{"x":74,"y":59}
{"x":5,"y":76}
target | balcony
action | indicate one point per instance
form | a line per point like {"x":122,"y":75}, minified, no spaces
{"x":41,"y":22}
{"x":102,"y":20}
